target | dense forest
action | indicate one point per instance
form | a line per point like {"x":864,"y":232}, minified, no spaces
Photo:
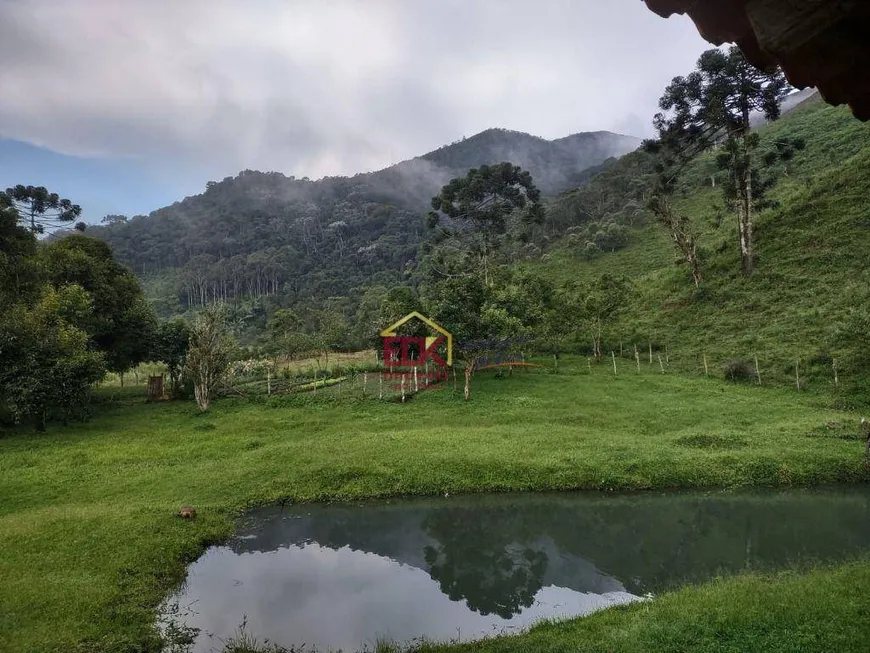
{"x":263,"y":239}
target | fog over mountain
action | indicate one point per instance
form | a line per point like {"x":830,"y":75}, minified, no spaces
{"x":264,"y":233}
{"x":307,"y":88}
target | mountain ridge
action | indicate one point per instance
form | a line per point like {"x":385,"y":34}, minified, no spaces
{"x":264,"y":233}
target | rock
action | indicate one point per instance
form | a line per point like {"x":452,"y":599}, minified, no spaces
{"x":187,"y":512}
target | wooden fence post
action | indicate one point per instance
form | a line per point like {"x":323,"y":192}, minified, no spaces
{"x":661,"y":365}
{"x":613,"y":356}
{"x":757,"y":371}
{"x":706,"y":370}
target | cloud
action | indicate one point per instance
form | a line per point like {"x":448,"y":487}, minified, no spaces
{"x":309,"y":87}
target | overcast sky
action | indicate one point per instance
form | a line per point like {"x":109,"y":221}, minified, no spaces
{"x":140,"y":102}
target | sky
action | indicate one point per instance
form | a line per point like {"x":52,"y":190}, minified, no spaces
{"x":125,"y":106}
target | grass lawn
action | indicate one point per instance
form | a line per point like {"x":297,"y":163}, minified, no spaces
{"x":91,"y":542}
{"x":824,"y":610}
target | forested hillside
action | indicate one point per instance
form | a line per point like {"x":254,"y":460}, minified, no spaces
{"x":336,"y":250}
{"x":263,"y":235}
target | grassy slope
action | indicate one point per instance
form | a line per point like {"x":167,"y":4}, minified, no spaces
{"x":90,"y":541}
{"x":812,"y":258}
{"x":782,"y":613}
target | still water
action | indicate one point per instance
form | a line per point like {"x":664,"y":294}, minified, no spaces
{"x":344,"y":576}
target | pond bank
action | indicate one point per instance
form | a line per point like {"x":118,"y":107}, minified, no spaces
{"x":342,"y":576}
{"x":87,"y":512}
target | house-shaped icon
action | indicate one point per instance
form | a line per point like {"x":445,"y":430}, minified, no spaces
{"x":391,"y":338}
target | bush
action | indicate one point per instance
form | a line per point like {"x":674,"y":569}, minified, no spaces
{"x":183,"y":389}
{"x":738,"y":371}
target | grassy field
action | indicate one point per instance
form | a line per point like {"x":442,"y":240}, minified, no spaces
{"x":91,"y":542}
{"x":812,"y":263}
{"x":825,"y":610}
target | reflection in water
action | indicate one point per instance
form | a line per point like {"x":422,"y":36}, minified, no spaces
{"x":499,"y":578}
{"x":342,"y":576}
{"x":346,"y":599}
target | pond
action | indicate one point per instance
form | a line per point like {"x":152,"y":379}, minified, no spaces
{"x":344,"y":576}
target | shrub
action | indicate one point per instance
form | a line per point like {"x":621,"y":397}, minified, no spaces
{"x":740,"y":371}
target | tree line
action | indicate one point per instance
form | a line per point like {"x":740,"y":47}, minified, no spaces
{"x":71,"y":314}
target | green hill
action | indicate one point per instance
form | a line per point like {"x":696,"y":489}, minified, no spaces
{"x":266,"y":240}
{"x":812,"y":255}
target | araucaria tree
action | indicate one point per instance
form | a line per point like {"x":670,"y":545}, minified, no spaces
{"x":208,"y":356}
{"x":713,"y":105}
{"x":477,"y":206}
{"x":40,"y":210}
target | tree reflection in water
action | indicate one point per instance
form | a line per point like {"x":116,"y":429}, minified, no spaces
{"x":477,"y":560}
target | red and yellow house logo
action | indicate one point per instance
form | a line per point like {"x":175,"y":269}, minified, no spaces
{"x":417,"y":351}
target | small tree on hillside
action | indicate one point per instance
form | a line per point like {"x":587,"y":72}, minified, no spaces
{"x":477,"y":207}
{"x":715,"y":104}
{"x":460,"y":304}
{"x":40,"y":210}
{"x":524,"y":300}
{"x":601,"y":301}
{"x":283,"y":322}
{"x":681,"y":233}
{"x":208,"y":357}
{"x":331,"y":333}
{"x":287,"y":336}
{"x":171,"y":343}
{"x":564,"y":312}
{"x":671,"y":156}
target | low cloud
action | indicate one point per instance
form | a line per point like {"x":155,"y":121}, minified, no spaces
{"x":322,"y":88}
